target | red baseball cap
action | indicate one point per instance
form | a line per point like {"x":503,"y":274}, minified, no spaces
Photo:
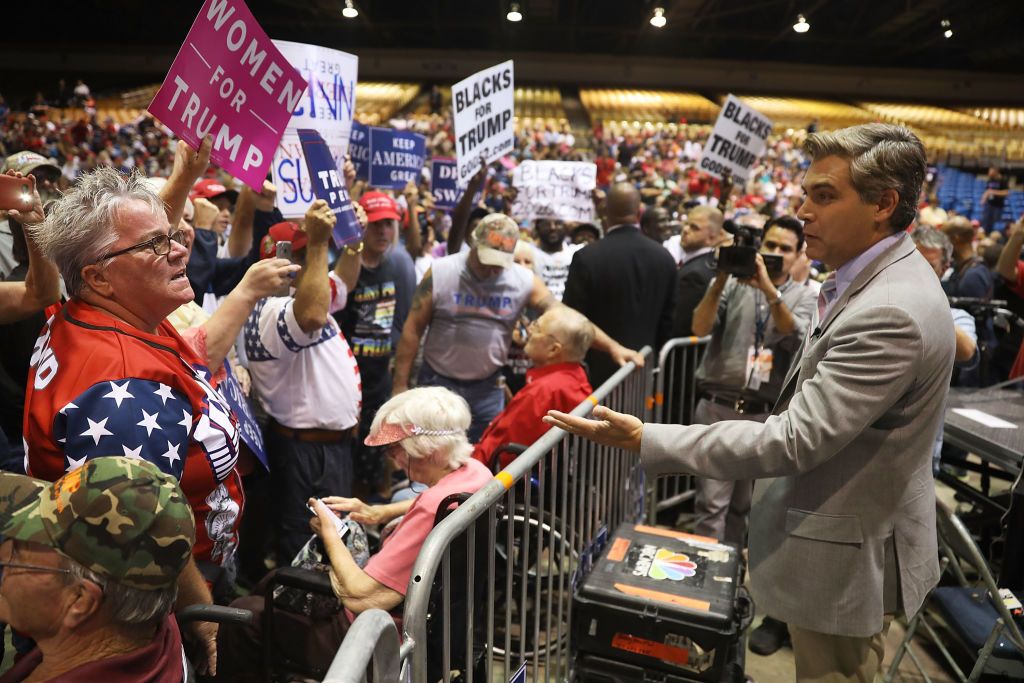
{"x":378,"y":206}
{"x":283,"y":232}
{"x":208,"y":188}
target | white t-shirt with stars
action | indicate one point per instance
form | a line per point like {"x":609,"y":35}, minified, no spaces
{"x":305,"y":381}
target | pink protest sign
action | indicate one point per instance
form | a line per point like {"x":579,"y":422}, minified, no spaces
{"x":230,"y":82}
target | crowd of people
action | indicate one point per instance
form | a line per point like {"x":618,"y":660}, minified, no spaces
{"x":143,"y":282}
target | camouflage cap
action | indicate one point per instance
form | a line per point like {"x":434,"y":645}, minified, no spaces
{"x":119,"y":517}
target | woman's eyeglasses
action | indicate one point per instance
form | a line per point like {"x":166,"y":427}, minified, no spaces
{"x":161,"y":245}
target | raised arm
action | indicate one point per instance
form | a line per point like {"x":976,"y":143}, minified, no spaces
{"x":189,"y":165}
{"x":1008,"y":257}
{"x":313,"y":293}
{"x":41,"y":287}
{"x":460,"y":215}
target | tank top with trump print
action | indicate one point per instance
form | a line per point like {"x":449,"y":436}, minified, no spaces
{"x":473,"y":319}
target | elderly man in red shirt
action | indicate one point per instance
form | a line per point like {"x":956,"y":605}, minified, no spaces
{"x":558,"y":341}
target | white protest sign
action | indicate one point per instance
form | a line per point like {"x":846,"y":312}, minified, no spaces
{"x":482,"y":106}
{"x":736,"y":142}
{"x":555,"y":189}
{"x":327,"y":107}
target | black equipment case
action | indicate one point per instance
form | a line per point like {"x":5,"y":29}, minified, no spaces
{"x":662,"y":601}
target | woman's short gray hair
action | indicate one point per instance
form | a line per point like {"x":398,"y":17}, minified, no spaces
{"x":128,"y":606}
{"x":930,"y":238}
{"x":434,"y":409}
{"x":882,"y":157}
{"x":79,"y":227}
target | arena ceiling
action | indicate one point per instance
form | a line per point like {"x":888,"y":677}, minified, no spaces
{"x":878,"y":33}
{"x":116,"y":43}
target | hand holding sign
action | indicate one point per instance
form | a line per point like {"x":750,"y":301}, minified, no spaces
{"x":319,"y":222}
{"x":189,"y":163}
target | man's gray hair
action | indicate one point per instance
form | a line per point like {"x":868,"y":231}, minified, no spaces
{"x":882,"y":157}
{"x":79,"y":228}
{"x":574,"y":330}
{"x":930,"y":238}
{"x":127,"y":606}
{"x":433,"y":409}
{"x":715,"y":217}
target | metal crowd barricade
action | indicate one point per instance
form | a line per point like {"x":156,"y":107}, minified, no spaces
{"x":673,"y":402}
{"x":371,"y":637}
{"x":523,"y":543}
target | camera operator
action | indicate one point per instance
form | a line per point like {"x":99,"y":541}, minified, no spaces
{"x":756,"y":326}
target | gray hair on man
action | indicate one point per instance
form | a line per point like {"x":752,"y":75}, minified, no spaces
{"x":882,"y":157}
{"x":127,"y":606}
{"x":574,"y":330}
{"x":930,"y":238}
{"x":80,"y":227}
{"x":433,"y":409}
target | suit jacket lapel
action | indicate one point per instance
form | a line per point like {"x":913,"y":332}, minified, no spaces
{"x":901,"y":250}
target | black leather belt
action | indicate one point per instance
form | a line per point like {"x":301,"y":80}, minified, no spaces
{"x":744,"y":406}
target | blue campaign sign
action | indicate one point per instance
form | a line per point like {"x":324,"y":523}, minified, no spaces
{"x":329,"y":186}
{"x":396,"y":157}
{"x":359,"y":149}
{"x":444,"y":183}
{"x":248,"y":428}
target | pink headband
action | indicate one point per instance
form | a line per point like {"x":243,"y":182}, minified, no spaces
{"x":393,"y":432}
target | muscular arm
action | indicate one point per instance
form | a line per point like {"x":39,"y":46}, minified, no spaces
{"x":460,"y":215}
{"x":313,"y":295}
{"x":419,"y":317}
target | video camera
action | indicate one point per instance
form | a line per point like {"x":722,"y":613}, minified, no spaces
{"x":741,"y":258}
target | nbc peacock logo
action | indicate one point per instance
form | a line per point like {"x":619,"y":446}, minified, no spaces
{"x":660,"y":564}
{"x":671,"y":566}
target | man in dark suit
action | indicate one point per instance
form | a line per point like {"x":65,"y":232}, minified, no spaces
{"x":701,"y":233}
{"x":623,"y":283}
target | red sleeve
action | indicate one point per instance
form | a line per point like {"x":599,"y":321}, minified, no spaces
{"x":1018,"y":286}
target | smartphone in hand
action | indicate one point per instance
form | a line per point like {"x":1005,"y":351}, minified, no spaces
{"x":284,"y":250}
{"x":16,"y":193}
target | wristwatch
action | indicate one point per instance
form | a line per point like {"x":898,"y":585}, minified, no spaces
{"x":776,"y":300}
{"x":352,"y":252}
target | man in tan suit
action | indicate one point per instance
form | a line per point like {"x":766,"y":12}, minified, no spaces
{"x":842,"y":530}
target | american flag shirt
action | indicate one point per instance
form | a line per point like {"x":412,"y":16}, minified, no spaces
{"x":98,"y":387}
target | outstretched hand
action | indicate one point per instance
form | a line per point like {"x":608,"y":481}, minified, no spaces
{"x":607,"y":427}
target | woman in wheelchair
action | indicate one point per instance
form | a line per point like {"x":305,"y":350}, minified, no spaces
{"x":424,"y":431}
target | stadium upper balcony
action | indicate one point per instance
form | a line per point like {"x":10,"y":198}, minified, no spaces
{"x":638,"y":107}
{"x":787,"y":112}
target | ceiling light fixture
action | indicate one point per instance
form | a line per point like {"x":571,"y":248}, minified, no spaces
{"x":350,"y":12}
{"x":513,"y":13}
{"x":801,"y":25}
{"x":947,"y":31}
{"x":658,"y":20}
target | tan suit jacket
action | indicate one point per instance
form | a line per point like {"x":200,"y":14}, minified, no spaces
{"x":842,"y":528}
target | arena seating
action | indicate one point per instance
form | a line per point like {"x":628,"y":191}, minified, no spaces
{"x":961,"y":192}
{"x":643,"y":106}
{"x":539,"y":108}
{"x":378,"y":102}
{"x":787,"y":112}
